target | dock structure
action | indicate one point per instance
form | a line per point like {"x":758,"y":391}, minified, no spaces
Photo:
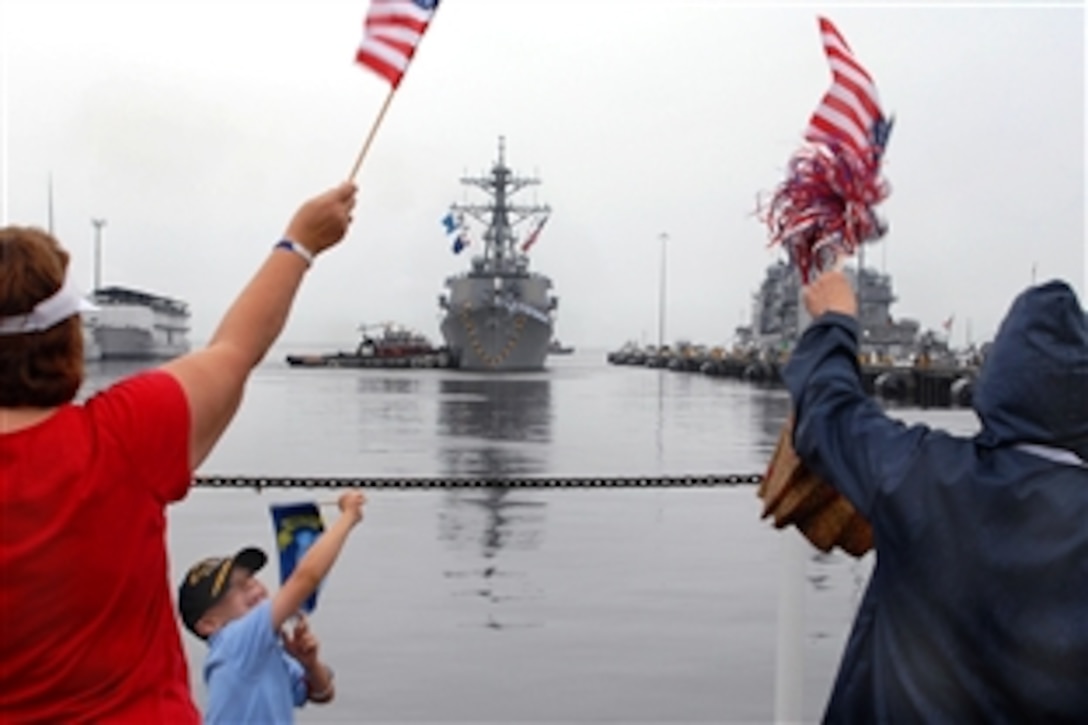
{"x":900,"y":361}
{"x":921,"y":384}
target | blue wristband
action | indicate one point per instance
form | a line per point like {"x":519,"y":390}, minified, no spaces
{"x":292,"y":246}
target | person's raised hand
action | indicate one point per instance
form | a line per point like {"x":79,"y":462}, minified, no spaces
{"x":831,"y":291}
{"x":323,"y":220}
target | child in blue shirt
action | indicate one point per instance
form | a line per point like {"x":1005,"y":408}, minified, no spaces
{"x":255,"y":671}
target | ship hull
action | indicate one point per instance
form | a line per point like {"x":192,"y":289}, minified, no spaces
{"x":135,"y":343}
{"x":497,"y":339}
{"x":91,"y":350}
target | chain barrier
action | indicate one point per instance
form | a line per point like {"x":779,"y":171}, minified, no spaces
{"x":259,"y":482}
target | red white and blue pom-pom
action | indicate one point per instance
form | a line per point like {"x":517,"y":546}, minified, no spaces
{"x":825,"y":207}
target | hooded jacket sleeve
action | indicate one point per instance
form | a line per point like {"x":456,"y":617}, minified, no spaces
{"x":840,"y":432}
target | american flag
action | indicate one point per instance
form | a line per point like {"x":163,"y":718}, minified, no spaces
{"x":391,"y":32}
{"x":826,"y":206}
{"x":531,"y":239}
{"x":849,"y":114}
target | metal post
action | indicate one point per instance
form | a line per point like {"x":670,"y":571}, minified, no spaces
{"x":790,"y":651}
{"x":661,"y":297}
{"x":98,"y":224}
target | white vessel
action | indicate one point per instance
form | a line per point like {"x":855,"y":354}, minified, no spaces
{"x":91,"y":350}
{"x":134,"y":325}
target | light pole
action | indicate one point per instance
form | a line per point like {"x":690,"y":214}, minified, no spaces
{"x":98,"y":224}
{"x":661,"y":297}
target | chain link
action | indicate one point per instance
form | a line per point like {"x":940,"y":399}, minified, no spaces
{"x":734,"y":479}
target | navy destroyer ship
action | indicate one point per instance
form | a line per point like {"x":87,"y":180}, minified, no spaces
{"x":499,"y":315}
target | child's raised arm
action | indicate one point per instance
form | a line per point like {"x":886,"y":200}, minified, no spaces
{"x":317,"y":561}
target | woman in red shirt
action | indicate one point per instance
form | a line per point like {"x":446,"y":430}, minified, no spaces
{"x":87,"y":627}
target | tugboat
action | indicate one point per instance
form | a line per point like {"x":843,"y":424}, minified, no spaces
{"x":555,"y":347}
{"x":396,"y":347}
{"x":499,"y":315}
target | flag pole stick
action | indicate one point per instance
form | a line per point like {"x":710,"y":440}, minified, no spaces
{"x":370,"y":136}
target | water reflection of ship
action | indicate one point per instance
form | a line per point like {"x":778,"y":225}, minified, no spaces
{"x":491,"y":429}
{"x":491,"y":520}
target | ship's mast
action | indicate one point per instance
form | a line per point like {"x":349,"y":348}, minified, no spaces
{"x":500,"y":216}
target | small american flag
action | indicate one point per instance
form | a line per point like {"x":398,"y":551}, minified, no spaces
{"x":391,"y":32}
{"x":531,"y":239}
{"x":849,"y":114}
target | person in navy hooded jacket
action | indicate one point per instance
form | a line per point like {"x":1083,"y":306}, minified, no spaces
{"x":977,"y":607}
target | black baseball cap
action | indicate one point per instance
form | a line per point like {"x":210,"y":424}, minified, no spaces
{"x":206,"y":583}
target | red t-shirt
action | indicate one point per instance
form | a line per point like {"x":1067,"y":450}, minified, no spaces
{"x":87,"y":624}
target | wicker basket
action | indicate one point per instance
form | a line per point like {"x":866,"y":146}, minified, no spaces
{"x":792,"y":494}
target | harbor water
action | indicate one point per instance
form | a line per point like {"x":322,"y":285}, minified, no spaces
{"x":510,"y":605}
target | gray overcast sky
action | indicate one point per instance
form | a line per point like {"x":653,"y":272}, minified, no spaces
{"x":195,"y":128}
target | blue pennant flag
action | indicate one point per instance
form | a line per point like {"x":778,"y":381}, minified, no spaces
{"x":455,"y":230}
{"x":297,"y":527}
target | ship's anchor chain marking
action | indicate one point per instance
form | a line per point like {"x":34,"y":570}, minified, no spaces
{"x":477,"y":346}
{"x":688,"y":481}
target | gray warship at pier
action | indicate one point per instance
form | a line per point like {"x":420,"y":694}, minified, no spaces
{"x":499,"y":314}
{"x":775,"y":326}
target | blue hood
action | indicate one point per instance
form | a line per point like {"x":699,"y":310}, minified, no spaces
{"x":1033,"y":387}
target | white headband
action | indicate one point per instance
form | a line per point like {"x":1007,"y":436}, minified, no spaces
{"x":67,"y":301}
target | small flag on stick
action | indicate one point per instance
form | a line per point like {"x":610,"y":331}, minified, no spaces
{"x":392,"y":32}
{"x":297,"y":526}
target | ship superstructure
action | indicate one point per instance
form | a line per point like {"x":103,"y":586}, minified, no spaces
{"x":775,"y":320}
{"x":135,"y":325}
{"x":499,"y":314}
